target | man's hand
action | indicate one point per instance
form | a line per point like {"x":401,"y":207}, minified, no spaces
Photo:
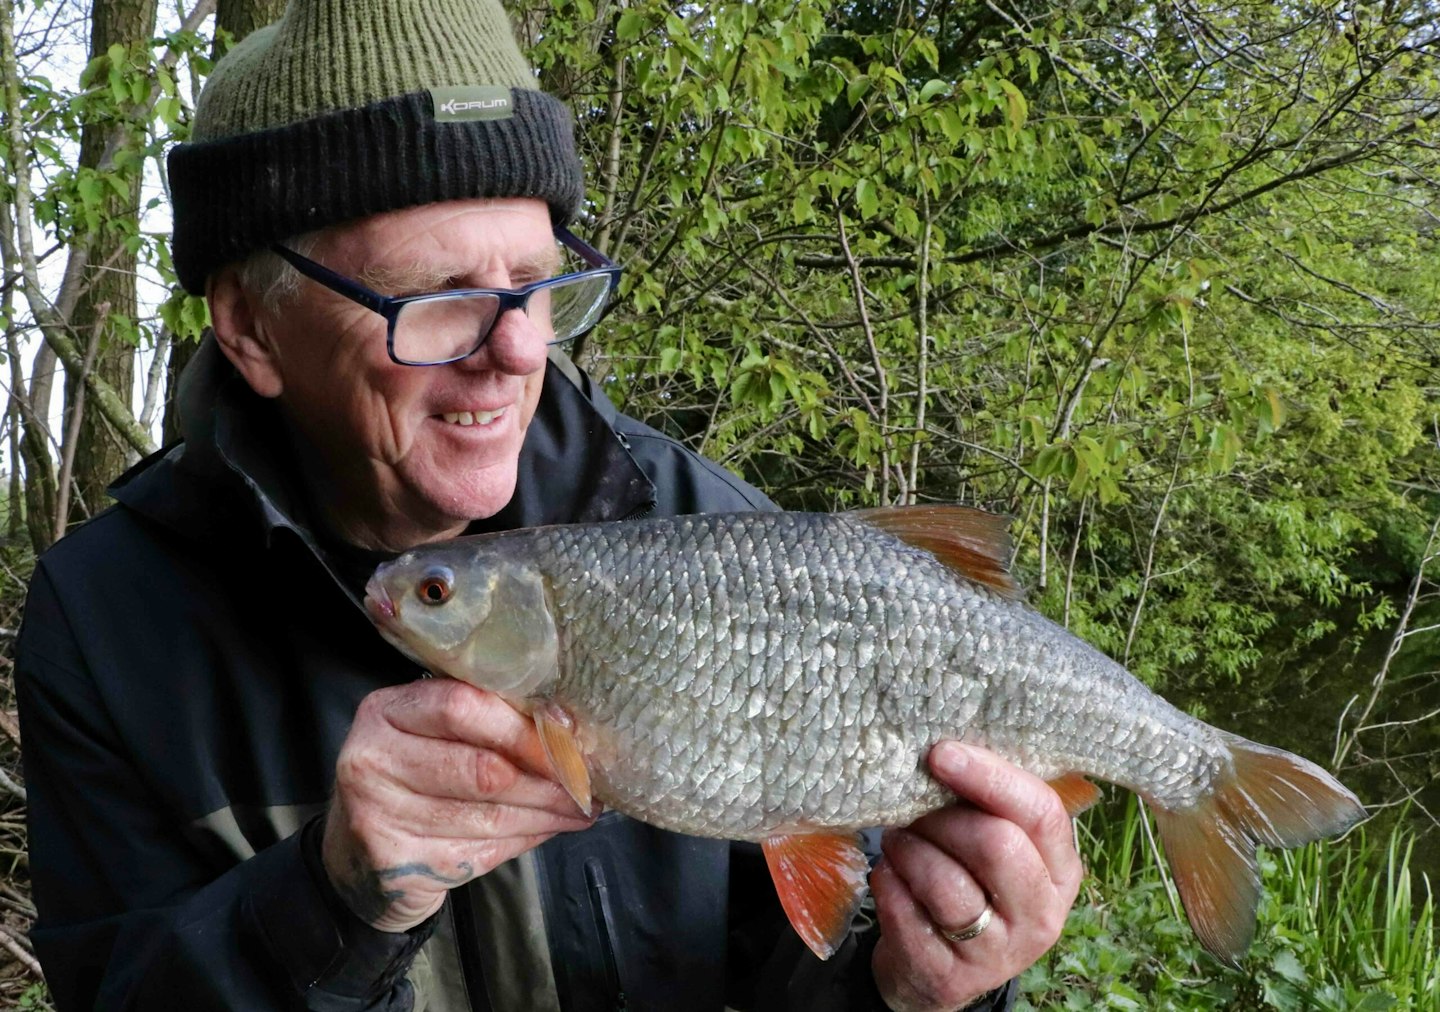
{"x":437,"y":783}
{"x":1008,"y":844}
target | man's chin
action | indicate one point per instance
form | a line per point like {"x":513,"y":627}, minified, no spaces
{"x":488,"y":491}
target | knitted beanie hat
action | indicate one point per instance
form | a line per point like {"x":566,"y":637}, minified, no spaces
{"x":348,"y":108}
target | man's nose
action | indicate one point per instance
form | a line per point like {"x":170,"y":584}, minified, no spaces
{"x":516,"y":346}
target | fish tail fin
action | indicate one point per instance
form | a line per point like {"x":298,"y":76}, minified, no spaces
{"x":1267,"y":796}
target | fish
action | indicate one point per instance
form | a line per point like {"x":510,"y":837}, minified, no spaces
{"x":780,"y":678}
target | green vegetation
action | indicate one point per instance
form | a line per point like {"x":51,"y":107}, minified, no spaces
{"x":1117,"y":270}
{"x":1339,"y":932}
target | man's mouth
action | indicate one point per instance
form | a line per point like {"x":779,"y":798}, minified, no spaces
{"x":464,"y":418}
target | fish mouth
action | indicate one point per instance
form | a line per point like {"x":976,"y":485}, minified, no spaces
{"x":379,"y":606}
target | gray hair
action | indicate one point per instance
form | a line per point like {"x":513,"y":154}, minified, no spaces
{"x":267,"y":277}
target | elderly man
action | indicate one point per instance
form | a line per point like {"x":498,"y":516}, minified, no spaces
{"x":240,"y":797}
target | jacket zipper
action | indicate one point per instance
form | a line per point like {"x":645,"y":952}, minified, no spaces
{"x":605,"y":928}
{"x":640,"y":512}
{"x":467,"y":941}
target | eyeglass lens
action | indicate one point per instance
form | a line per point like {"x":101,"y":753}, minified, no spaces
{"x":444,"y":328}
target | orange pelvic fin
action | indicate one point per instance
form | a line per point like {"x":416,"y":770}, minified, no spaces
{"x":1266,"y":796}
{"x":557,"y":734}
{"x":974,"y":543}
{"x":821,"y":880}
{"x":1076,"y":793}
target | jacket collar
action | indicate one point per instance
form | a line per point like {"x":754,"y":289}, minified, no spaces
{"x":574,"y":467}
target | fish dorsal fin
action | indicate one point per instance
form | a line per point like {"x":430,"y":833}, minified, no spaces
{"x":972,"y":542}
{"x":557,"y":734}
{"x":820,"y":878}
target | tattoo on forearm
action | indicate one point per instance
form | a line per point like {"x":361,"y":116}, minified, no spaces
{"x":365,"y":893}
{"x":425,"y":871}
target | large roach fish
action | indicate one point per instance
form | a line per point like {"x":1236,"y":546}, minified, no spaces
{"x":780,"y":677}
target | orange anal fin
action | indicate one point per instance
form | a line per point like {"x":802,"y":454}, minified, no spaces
{"x":1076,"y":793}
{"x":821,"y":880}
{"x":557,"y":734}
{"x":973,"y":543}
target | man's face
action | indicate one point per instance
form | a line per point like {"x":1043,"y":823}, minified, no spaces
{"x":414,"y":453}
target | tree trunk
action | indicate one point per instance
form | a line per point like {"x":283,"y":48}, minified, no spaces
{"x":107,"y":294}
{"x":239,"y":18}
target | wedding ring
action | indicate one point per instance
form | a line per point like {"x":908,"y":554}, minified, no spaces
{"x":971,"y":930}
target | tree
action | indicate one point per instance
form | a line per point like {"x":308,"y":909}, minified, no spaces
{"x":82,"y":208}
{"x":1151,"y":278}
{"x":234,"y":19}
{"x":105,"y":261}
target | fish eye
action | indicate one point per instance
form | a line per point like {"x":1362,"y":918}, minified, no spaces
{"x":435,"y":586}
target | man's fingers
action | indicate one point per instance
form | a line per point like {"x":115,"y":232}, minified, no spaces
{"x":1005,"y":790}
{"x":420,"y":819}
{"x":452,"y":710}
{"x":437,"y":768}
{"x":917,"y":959}
{"x":906,"y":923}
{"x":997,"y":854}
{"x":948,"y":893}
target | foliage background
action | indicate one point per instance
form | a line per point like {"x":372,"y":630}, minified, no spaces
{"x":1158,"y":279}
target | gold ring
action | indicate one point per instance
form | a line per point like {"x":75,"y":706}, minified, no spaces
{"x":971,"y":930}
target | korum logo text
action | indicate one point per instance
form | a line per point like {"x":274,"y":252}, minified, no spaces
{"x":472,"y":102}
{"x":455,"y":106}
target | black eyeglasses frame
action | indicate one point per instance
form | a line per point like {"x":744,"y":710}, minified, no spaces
{"x":389,"y":306}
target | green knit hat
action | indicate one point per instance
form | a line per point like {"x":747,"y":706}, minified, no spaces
{"x":348,"y":108}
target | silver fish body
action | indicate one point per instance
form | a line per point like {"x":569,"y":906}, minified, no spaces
{"x":759,"y":674}
{"x":768,"y":675}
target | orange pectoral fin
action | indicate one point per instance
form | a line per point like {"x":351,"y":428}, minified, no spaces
{"x":1076,"y":793}
{"x":821,"y":880}
{"x":557,"y":734}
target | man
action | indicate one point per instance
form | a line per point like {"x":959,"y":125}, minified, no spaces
{"x":240,"y":797}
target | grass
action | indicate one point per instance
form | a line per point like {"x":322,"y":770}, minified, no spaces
{"x":1341,"y":927}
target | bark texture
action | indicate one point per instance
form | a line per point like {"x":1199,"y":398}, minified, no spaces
{"x":108,"y":288}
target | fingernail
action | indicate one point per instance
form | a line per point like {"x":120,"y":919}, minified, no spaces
{"x":950,"y":758}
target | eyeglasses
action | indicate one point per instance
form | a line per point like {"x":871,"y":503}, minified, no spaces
{"x":440,"y":327}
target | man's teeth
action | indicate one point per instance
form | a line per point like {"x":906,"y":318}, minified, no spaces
{"x":472,"y":418}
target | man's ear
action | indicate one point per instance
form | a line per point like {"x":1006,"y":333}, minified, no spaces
{"x":240,"y":329}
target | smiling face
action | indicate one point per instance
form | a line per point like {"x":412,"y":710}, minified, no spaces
{"x":397,"y":455}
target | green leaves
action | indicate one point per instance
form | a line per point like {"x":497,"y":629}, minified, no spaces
{"x":1145,"y":323}
{"x":767,"y":383}
{"x":629,"y":25}
{"x":1088,"y":465}
{"x":1017,"y":109}
{"x":185,"y":316}
{"x":866,"y":197}
{"x":1123,"y":947}
{"x":932,"y":88}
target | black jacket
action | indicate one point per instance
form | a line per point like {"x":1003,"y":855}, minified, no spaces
{"x":188,"y":667}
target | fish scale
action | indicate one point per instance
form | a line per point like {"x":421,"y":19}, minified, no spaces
{"x":740,"y":713}
{"x":781,"y":677}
